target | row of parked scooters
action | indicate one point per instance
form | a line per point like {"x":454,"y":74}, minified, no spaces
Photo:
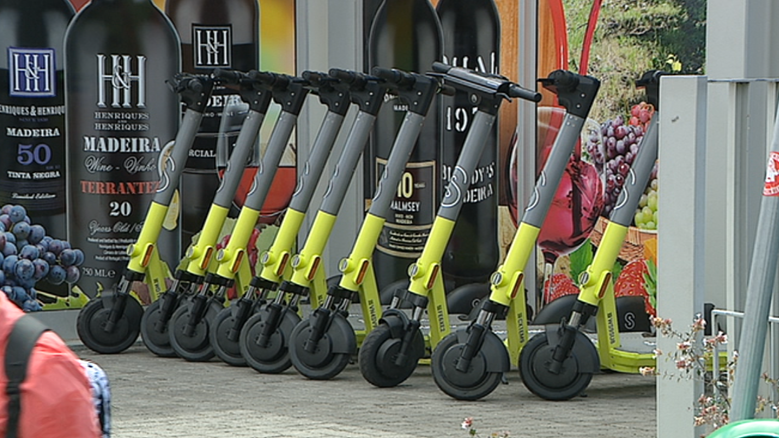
{"x":190,"y":315}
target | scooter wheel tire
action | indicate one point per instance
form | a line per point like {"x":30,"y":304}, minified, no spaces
{"x":195,"y":348}
{"x":378,"y":353}
{"x":91,"y":322}
{"x":533,"y":367}
{"x":156,"y":341}
{"x":322,"y":364}
{"x":225,"y":349}
{"x":272,"y":358}
{"x":473,"y":384}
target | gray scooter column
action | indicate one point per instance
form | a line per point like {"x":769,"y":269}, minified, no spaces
{"x":454,"y":196}
{"x":552,"y":173}
{"x":313,"y":168}
{"x":396,"y":164}
{"x":347,"y":163}
{"x":244,"y":146}
{"x":270,"y":161}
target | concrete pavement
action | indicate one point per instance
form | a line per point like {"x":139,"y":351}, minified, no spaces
{"x":157,"y":397}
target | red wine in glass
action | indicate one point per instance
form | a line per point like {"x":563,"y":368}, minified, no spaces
{"x":279,"y":194}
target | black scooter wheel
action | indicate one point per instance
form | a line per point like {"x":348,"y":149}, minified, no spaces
{"x":225,"y":349}
{"x":157,"y":341}
{"x":272,"y":358}
{"x":534,"y":361}
{"x":92,"y":320}
{"x":378,"y":353}
{"x":195,"y":348}
{"x":323,"y":363}
{"x":473,"y":384}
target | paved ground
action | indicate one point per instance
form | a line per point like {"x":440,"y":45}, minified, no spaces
{"x":156,"y":397}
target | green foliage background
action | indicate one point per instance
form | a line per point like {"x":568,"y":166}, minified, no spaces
{"x":631,"y":38}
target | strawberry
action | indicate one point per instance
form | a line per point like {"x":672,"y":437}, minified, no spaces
{"x":561,"y":285}
{"x":632,"y":281}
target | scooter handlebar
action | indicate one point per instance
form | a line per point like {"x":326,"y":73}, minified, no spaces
{"x":440,"y":67}
{"x":394,"y":76}
{"x":315,"y":77}
{"x":494,"y":82}
{"x":230,"y":77}
{"x":267,"y":78}
{"x":185,"y":82}
{"x":524,"y":93}
{"x":447,"y":90}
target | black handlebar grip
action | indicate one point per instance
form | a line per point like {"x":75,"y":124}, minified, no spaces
{"x":447,"y":90}
{"x":347,"y":76}
{"x":232,"y":77}
{"x":264,"y":77}
{"x":440,"y":67}
{"x":523,"y":93}
{"x":314,"y":76}
{"x":394,"y":76}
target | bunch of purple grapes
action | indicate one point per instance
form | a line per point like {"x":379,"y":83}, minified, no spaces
{"x":28,"y":255}
{"x":613,"y":150}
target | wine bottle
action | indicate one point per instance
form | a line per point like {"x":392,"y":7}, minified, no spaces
{"x":406,"y":35}
{"x":32,"y":109}
{"x":471,"y":31}
{"x":214,"y":34}
{"x":120,"y":116}
{"x":32,"y":113}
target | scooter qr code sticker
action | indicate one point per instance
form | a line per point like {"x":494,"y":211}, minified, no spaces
{"x":771,"y":187}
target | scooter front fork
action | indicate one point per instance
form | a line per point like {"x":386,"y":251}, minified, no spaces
{"x":476,"y":333}
{"x":168,"y":303}
{"x":580,"y":314}
{"x":197,"y":311}
{"x":408,"y":336}
{"x":276,"y":311}
{"x":120,"y":299}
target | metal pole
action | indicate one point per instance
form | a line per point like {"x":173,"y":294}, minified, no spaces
{"x":759,"y":291}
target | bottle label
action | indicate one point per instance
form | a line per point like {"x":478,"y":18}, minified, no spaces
{"x":411,"y":213}
{"x":33,"y":72}
{"x":212,"y":46}
{"x":32,"y":142}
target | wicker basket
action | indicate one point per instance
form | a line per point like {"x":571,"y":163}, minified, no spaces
{"x":633,"y":248}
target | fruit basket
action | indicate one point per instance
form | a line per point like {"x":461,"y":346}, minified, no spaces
{"x":635,"y":240}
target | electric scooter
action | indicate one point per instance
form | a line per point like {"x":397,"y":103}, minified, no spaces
{"x":228,"y":322}
{"x":189,"y":325}
{"x":470,"y":363}
{"x":322,"y":344}
{"x":391,"y":351}
{"x":253,"y":90}
{"x":111,"y":322}
{"x":558,"y":363}
{"x":264,"y":339}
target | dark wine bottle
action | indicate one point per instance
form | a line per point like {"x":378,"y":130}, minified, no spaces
{"x":32,"y":109}
{"x":214,"y":34}
{"x":32,"y":113}
{"x":406,"y":35}
{"x":120,"y":116}
{"x":471,"y":31}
